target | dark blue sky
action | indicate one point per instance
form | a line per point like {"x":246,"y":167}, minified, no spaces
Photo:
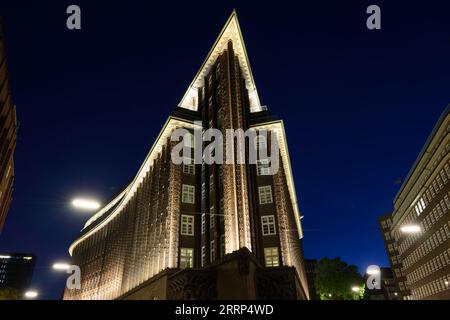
{"x":358,"y":106}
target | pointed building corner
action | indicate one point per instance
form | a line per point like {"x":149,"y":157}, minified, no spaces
{"x":230,"y":32}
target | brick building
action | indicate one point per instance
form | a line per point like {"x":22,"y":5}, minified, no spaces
{"x":199,"y":231}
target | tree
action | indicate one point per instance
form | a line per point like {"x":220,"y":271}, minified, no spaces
{"x":336,"y":280}
{"x":9,"y":294}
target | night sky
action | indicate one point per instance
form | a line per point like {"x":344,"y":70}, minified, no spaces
{"x":358,"y":106}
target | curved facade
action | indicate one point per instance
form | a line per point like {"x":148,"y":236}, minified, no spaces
{"x":8,"y":127}
{"x":177,"y":230}
{"x":423,"y":258}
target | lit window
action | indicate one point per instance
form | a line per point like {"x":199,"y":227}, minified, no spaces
{"x":188,"y":194}
{"x":212,"y":250}
{"x":265,"y":194}
{"x":190,"y":167}
{"x":268,"y":225}
{"x":186,"y":258}
{"x":212,"y":218}
{"x":187,"y":225}
{"x":203,"y":223}
{"x":263,"y":168}
{"x":420,"y":206}
{"x":203,"y":256}
{"x":271,"y":257}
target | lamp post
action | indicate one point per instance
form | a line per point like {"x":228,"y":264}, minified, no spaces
{"x":31,"y":294}
{"x":411,"y":229}
{"x":85,"y":204}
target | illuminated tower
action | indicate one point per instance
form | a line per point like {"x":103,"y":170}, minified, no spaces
{"x":219,"y":231}
{"x":8,"y":126}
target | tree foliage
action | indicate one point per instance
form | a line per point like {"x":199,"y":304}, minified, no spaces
{"x":335,"y":280}
{"x":9,"y":294}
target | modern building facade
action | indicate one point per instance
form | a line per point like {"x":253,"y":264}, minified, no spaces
{"x":8,"y":127}
{"x":197,"y":230}
{"x":16,"y":271}
{"x":389,"y":289}
{"x":423,"y":205}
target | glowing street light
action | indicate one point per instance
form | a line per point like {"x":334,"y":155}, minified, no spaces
{"x":412,"y":228}
{"x":86,"y":204}
{"x":355,"y":289}
{"x":31,"y":294}
{"x":61,"y":266}
{"x":373,"y":270}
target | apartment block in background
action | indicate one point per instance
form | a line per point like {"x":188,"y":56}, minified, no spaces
{"x":417,"y":234}
{"x":16,"y":271}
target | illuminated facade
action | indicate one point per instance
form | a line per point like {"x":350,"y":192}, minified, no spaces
{"x":422,"y":258}
{"x":8,"y":128}
{"x":201,"y":231}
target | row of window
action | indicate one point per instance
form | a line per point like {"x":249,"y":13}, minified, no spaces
{"x":188,"y":196}
{"x":434,"y":188}
{"x":435,"y":264}
{"x":386,"y":224}
{"x":431,"y":288}
{"x":263,"y":168}
{"x":212,"y":250}
{"x":271,"y":256}
{"x":187,"y":224}
{"x":431,"y":218}
{"x":434,"y":241}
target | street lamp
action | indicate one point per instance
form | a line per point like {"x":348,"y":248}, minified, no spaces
{"x":61,"y":266}
{"x":373,"y":270}
{"x":32,"y":294}
{"x":86,"y":204}
{"x":355,"y":289}
{"x":411,"y":228}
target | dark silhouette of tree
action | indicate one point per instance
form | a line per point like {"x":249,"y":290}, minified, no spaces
{"x":336,"y":280}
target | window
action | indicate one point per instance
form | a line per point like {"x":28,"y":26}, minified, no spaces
{"x":211,"y":183}
{"x":212,"y":218}
{"x":271,"y":257}
{"x":187,"y":225}
{"x":212,"y":250}
{"x":443,"y":176}
{"x":447,"y":170}
{"x":203,"y":256}
{"x":263,"y":168}
{"x":268,"y":225}
{"x":203,"y":191}
{"x":186,"y":258}
{"x":265,"y":194}
{"x":190,"y":167}
{"x":188,"y":140}
{"x":188,"y":194}
{"x":203,"y":223}
{"x":260,"y":142}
